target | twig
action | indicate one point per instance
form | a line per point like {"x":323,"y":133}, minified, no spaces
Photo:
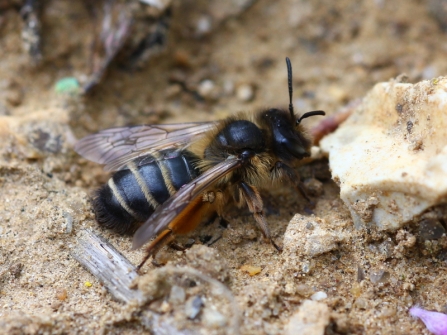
{"x":107,"y":264}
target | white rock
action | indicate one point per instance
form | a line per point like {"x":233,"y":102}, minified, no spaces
{"x":390,"y":156}
{"x":311,"y":318}
{"x":317,"y":296}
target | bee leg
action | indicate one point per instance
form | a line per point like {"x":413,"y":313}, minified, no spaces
{"x":174,"y":245}
{"x":285,"y":172}
{"x":255,"y":205}
{"x":165,"y":237}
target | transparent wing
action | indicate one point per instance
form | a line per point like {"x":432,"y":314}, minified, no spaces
{"x":179,"y":202}
{"x":115,"y":147}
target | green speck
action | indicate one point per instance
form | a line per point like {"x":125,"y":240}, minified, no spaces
{"x":69,"y":85}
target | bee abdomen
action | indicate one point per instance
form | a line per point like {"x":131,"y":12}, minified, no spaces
{"x":131,"y":195}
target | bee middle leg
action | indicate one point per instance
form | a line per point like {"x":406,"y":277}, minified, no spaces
{"x":165,"y":237}
{"x":254,"y":201}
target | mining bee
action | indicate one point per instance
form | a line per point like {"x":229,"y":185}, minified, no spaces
{"x":170,"y":178}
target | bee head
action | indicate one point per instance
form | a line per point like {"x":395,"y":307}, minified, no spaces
{"x":288,"y":140}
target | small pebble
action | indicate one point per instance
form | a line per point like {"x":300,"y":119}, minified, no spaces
{"x":165,"y":307}
{"x":387,"y":312}
{"x":68,"y":222}
{"x":431,"y":229}
{"x":213,"y":318}
{"x":177,"y":295}
{"x":56,"y":305}
{"x":193,"y":307}
{"x":306,"y":267}
{"x":356,"y":290}
{"x":361,"y":303}
{"x":204,"y":25}
{"x":245,"y":92}
{"x":317,"y":296}
{"x":251,"y":270}
{"x":387,"y":248}
{"x":206,"y":88}
{"x":304,"y":290}
{"x":61,"y":294}
{"x":69,"y":85}
{"x":379,"y":276}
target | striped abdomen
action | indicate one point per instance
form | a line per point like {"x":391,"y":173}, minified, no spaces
{"x":132,"y":194}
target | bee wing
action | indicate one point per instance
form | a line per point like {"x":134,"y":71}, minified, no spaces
{"x":115,"y":147}
{"x":179,"y":202}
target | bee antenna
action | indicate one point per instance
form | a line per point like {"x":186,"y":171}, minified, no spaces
{"x":289,"y":79}
{"x":306,"y":115}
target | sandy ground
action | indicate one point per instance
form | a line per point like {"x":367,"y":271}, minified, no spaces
{"x":339,"y":50}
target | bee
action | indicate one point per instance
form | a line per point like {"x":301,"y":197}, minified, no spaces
{"x":170,"y":178}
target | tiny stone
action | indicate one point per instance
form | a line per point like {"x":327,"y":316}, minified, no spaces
{"x":165,"y":307}
{"x":361,"y":303}
{"x":387,"y":248}
{"x":245,"y":92}
{"x":68,"y":85}
{"x":360,"y":274}
{"x":317,"y":296}
{"x":68,"y":222}
{"x":306,"y":267}
{"x":304,"y":290}
{"x":213,"y":318}
{"x":193,"y":307}
{"x":251,"y":269}
{"x":379,"y":276}
{"x":431,"y":229}
{"x":61,"y":294}
{"x":177,"y":295}
{"x":204,"y":25}
{"x":55,"y":305}
{"x":206,"y":88}
{"x":356,"y":290}
{"x":387,"y":312}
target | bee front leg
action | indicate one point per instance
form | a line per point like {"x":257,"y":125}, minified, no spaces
{"x":254,"y":201}
{"x":286,"y":173}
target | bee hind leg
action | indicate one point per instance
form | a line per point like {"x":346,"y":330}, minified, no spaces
{"x":164,"y":238}
{"x":255,"y":205}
